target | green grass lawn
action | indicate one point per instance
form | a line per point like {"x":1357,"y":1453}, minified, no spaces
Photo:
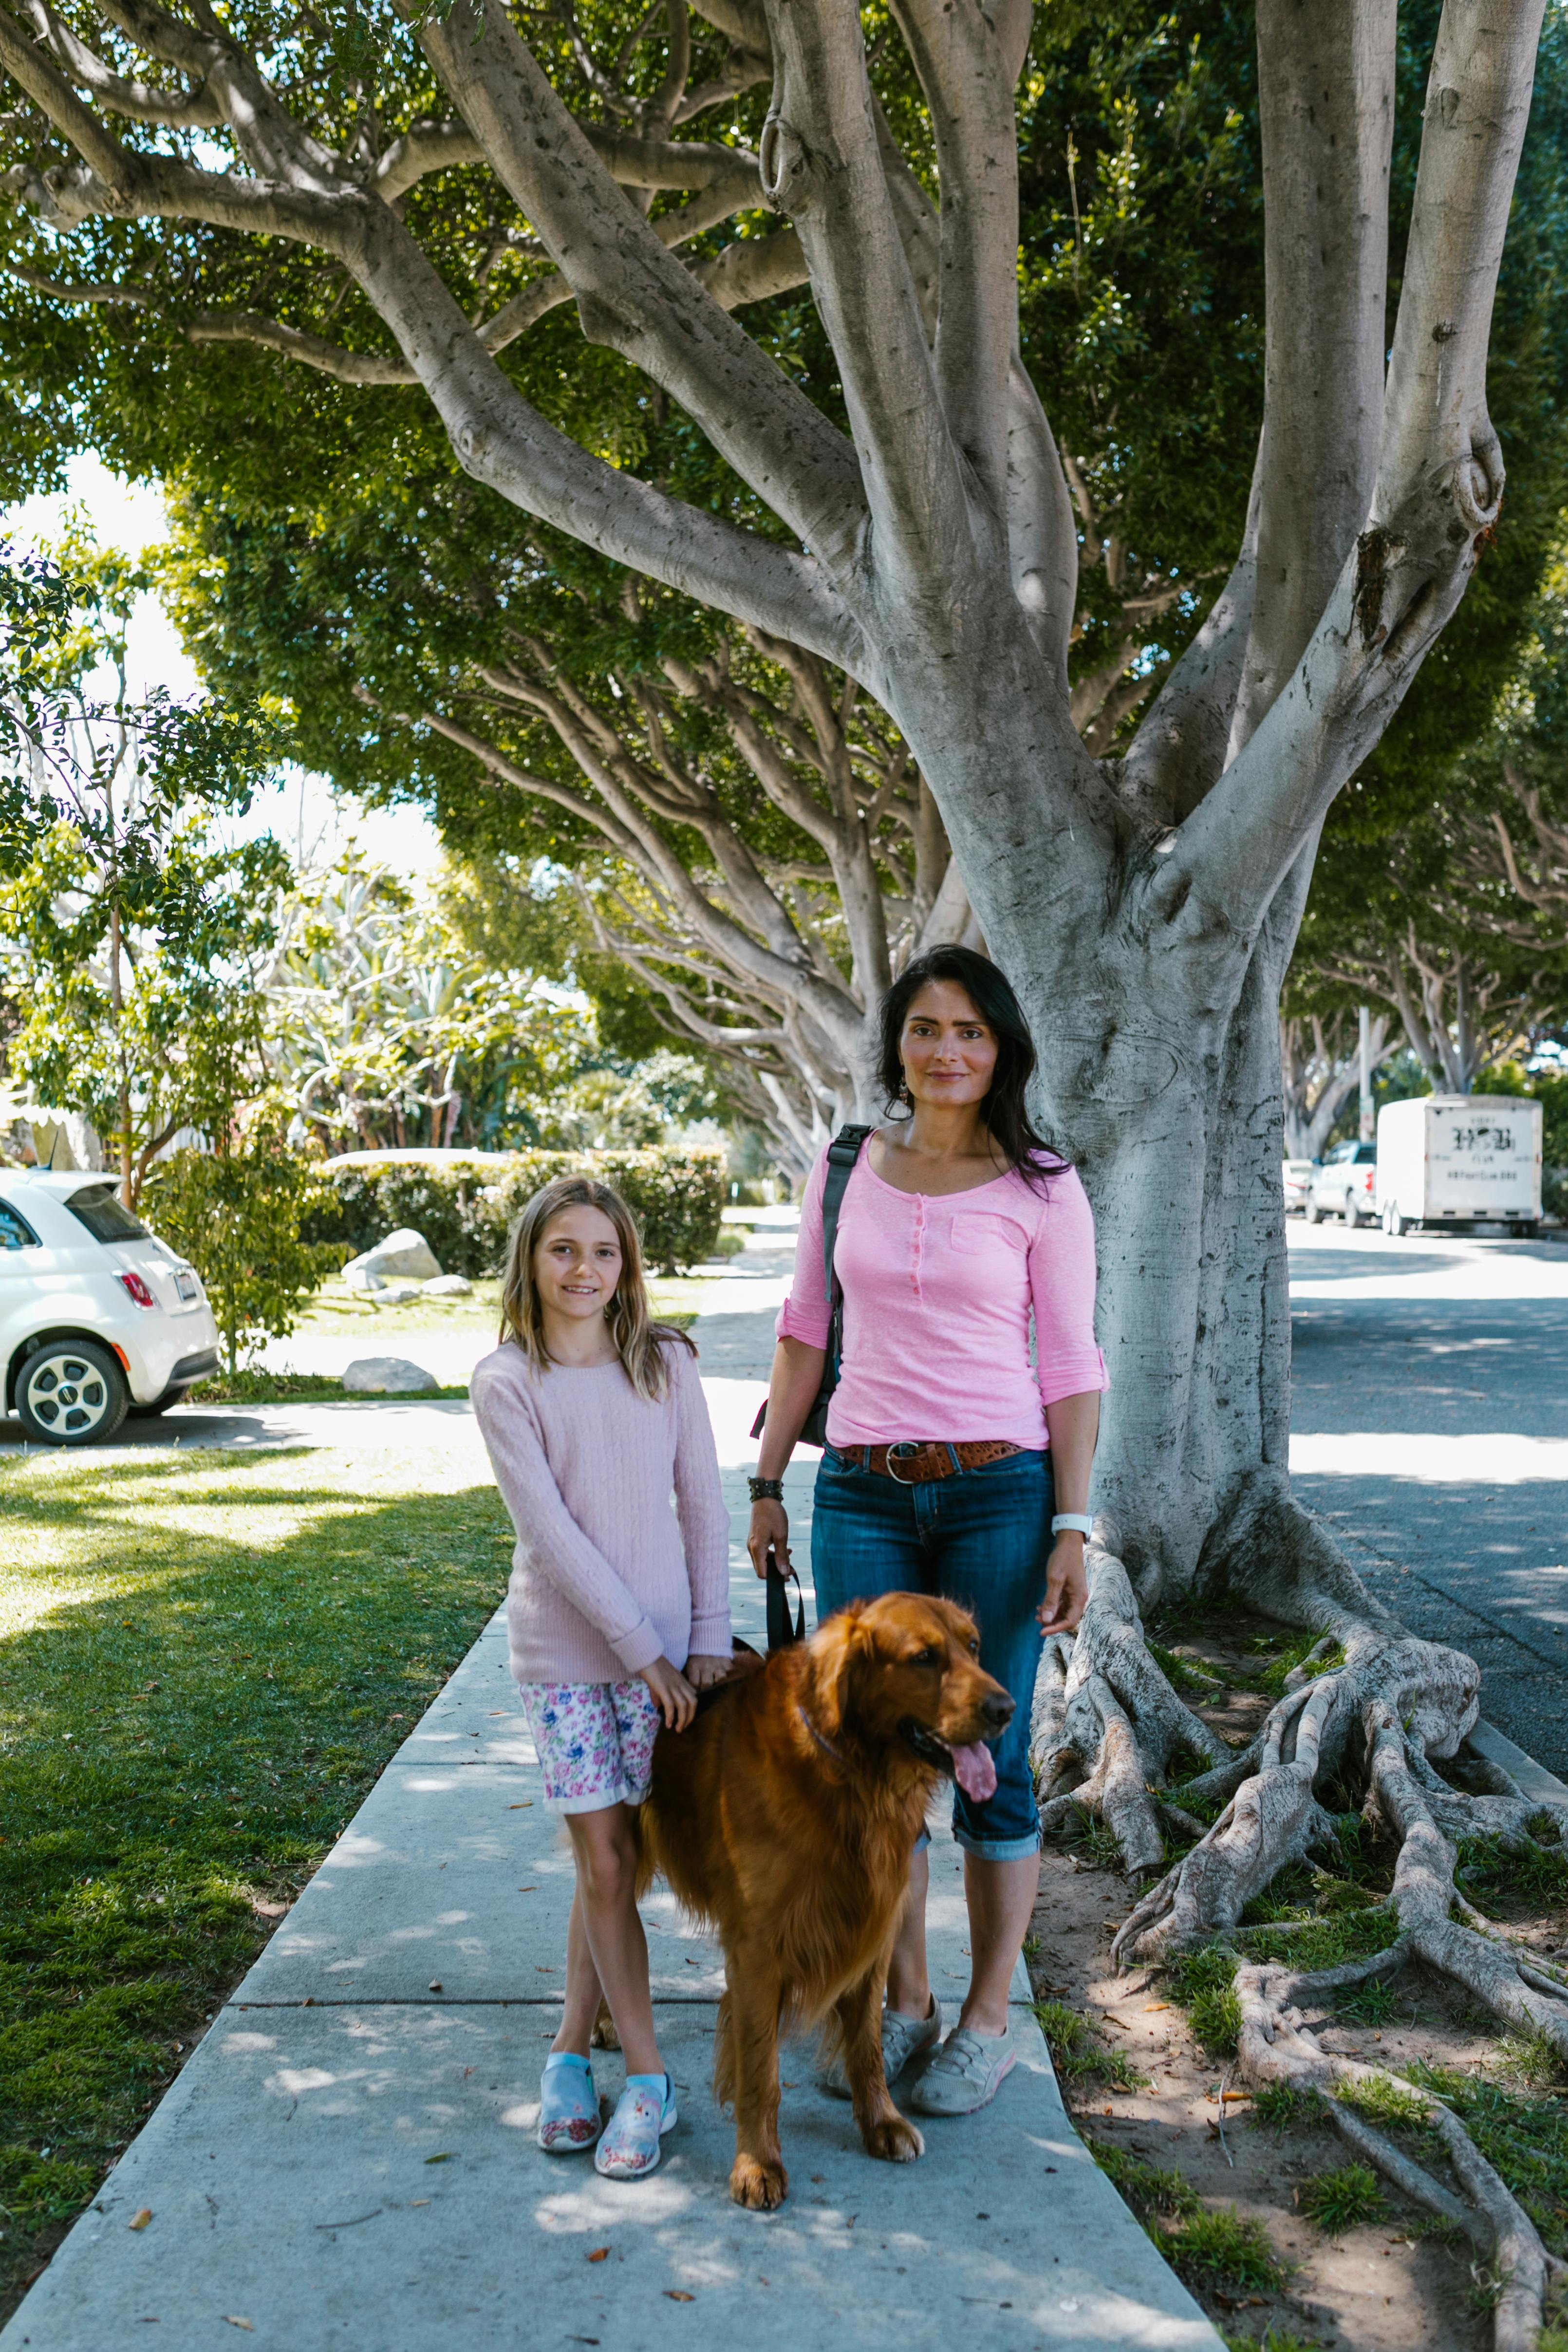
{"x":205,"y":1660}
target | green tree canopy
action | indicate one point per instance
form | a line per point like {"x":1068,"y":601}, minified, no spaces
{"x":131,"y":930}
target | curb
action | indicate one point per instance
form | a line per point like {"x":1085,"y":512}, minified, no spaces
{"x":1533,"y":1778}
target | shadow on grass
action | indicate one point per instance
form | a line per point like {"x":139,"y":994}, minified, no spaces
{"x":204,"y":1662}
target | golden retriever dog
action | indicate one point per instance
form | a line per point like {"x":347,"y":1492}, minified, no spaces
{"x":785,"y":1817}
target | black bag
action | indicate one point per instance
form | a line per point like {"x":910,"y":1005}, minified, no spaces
{"x":842,"y":1154}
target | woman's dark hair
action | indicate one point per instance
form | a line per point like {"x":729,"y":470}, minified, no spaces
{"x":1005,"y":1108}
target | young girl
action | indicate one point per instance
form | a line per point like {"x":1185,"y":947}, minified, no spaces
{"x":616,"y":1616}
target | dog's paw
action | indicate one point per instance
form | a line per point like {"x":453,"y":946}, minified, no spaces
{"x":894,"y":2140}
{"x":758,"y":2184}
{"x":604,"y":2036}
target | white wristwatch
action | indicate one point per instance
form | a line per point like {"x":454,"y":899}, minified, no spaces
{"x":1076,"y":1522}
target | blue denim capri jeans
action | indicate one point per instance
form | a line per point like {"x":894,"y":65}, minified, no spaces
{"x":981,"y":1537}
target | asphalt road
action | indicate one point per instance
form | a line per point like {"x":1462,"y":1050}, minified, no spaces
{"x":1430,"y":1429}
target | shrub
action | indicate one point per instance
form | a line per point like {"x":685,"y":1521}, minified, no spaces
{"x":239,"y":1216}
{"x":464,"y":1210}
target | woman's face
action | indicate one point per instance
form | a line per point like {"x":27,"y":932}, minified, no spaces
{"x":577,"y":1263}
{"x":948,"y":1050}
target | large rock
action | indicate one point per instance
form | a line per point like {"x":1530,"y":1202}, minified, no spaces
{"x":388,"y":1376}
{"x":403,"y":1254}
{"x":448,"y":1285}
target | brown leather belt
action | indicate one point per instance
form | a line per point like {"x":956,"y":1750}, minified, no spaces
{"x":930,"y":1457}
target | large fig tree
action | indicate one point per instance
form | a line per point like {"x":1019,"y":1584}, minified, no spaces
{"x":916,"y":530}
{"x":927,"y":545}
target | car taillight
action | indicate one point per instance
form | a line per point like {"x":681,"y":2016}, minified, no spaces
{"x":137,"y":1289}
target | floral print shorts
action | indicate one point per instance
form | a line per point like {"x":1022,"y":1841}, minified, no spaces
{"x":594,"y":1741}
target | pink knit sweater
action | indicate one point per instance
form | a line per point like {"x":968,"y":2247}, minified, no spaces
{"x":604,"y":1579}
{"x":940,"y":1293}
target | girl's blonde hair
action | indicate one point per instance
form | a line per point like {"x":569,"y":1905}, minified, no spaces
{"x":638,"y":1339}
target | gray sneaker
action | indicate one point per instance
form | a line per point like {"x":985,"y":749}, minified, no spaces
{"x":903,"y":2038}
{"x":966,"y":2073}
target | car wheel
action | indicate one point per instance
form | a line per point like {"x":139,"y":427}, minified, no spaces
{"x":1348,"y":1213}
{"x":1392,"y":1223}
{"x":174,"y":1395}
{"x":1311,"y":1212}
{"x":71,"y":1393}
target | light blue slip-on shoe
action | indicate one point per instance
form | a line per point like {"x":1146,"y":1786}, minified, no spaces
{"x":568,"y":2104}
{"x":629,"y":2146}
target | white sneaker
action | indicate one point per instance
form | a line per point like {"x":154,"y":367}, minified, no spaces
{"x":903,"y":2038}
{"x":966,"y":2073}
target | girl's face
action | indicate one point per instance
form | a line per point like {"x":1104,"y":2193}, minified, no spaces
{"x":948,"y":1051}
{"x":577,"y":1264}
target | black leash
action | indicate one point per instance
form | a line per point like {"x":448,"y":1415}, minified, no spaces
{"x":782,"y":1635}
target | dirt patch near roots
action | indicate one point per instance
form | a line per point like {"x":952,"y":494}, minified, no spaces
{"x":1318,"y":2254}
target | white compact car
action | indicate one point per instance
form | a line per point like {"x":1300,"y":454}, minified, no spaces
{"x":98,"y":1317}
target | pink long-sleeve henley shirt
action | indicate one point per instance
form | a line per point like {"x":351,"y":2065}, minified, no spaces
{"x":938,"y":1298}
{"x":606,"y":1576}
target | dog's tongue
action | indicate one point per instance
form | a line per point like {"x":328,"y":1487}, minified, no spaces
{"x":975,"y":1770}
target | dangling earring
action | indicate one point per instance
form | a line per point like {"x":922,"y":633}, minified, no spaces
{"x":904,"y":1095}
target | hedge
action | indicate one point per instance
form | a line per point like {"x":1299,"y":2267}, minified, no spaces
{"x":464,"y":1213}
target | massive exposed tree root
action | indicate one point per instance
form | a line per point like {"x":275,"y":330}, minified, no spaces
{"x":1276,"y":2045}
{"x":1363,"y":1718}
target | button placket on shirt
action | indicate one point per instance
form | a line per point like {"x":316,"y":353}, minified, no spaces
{"x":916,"y":1243}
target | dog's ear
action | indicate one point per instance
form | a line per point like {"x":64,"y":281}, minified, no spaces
{"x":837,"y":1649}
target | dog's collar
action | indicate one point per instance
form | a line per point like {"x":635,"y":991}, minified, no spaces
{"x":825,"y":1745}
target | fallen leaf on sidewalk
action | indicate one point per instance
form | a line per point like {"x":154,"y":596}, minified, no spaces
{"x":532,"y":1889}
{"x":232,"y":2320}
{"x":679,"y":2294}
{"x":140,"y":2220}
{"x":600,"y":2254}
{"x":521,"y":1807}
{"x":445,"y":2158}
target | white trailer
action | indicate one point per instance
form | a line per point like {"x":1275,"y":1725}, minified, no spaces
{"x":1458,"y":1160}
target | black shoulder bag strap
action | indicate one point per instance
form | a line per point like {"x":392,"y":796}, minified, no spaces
{"x":842,"y":1154}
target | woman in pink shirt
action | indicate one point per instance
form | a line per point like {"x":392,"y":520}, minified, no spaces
{"x":953,"y":1465}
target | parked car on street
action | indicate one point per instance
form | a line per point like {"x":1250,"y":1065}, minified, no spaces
{"x":98,"y":1317}
{"x":1460,"y":1160}
{"x":1296,"y":1176}
{"x":1344,"y":1184}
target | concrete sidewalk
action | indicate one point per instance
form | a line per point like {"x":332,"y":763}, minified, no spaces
{"x":347,"y":2160}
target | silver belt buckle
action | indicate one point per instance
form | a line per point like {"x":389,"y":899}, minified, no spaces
{"x":906,"y":1446}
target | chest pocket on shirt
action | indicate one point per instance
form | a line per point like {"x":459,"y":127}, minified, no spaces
{"x":982,"y":1232}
